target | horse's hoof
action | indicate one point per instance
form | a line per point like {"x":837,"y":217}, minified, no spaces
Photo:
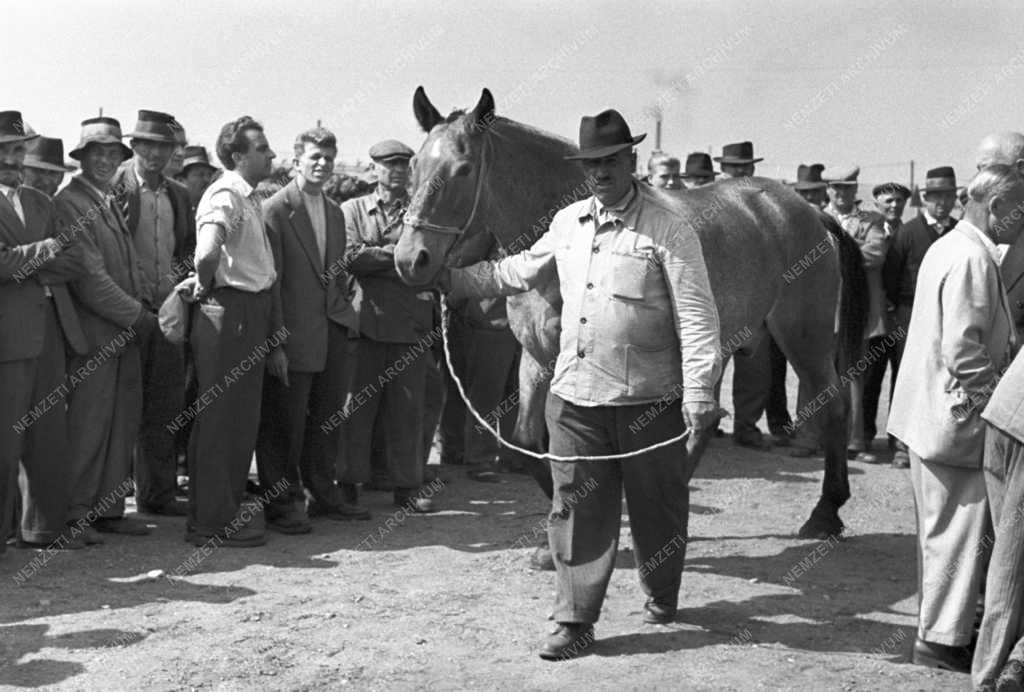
{"x":821,"y":526}
{"x":541,"y":560}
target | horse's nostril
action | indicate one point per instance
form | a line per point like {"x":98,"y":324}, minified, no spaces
{"x":422,"y":259}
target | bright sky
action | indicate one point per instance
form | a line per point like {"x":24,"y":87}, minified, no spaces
{"x":858,"y":81}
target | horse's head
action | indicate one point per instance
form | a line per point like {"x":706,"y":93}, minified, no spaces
{"x":443,"y":222}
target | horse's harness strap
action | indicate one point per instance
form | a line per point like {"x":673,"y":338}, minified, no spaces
{"x":423,"y":224}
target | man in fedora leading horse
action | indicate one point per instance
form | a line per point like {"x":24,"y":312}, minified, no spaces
{"x":638,"y":363}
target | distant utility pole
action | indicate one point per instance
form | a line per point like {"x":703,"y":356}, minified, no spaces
{"x":101,"y":111}
{"x":911,"y":173}
{"x":318,"y":122}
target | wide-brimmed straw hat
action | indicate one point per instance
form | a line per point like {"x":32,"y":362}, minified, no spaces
{"x":604,"y":134}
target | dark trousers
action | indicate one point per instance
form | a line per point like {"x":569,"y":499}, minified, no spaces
{"x":390,"y":378}
{"x":296,"y":440}
{"x":1001,"y":635}
{"x":583,"y":527}
{"x":777,"y":408}
{"x":163,"y":398}
{"x":104,"y":410}
{"x":433,"y":403}
{"x":230,"y":340}
{"x":886,"y":348}
{"x":39,"y":441}
{"x":751,"y":382}
{"x":485,"y":362}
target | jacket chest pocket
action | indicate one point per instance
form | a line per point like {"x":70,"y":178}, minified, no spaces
{"x":630,"y":274}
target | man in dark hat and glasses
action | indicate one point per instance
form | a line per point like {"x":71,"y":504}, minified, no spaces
{"x":638,"y":320}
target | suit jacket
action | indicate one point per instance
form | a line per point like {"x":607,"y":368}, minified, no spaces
{"x":107,"y":295}
{"x":25,"y":267}
{"x":1012,"y":270}
{"x":903,"y":260}
{"x":388,"y":310}
{"x":1005,"y":409}
{"x":309,"y":291}
{"x":126,"y":190}
{"x":961,"y":338}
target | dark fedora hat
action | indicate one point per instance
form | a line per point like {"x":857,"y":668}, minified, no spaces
{"x":154,"y":126}
{"x":47,"y":153}
{"x":603,"y":135}
{"x":941,"y":179}
{"x":12,"y":128}
{"x":891,"y":189}
{"x":738,"y":152}
{"x":391,"y":150}
{"x":809,"y":177}
{"x":196,"y":156}
{"x":100,"y":130}
{"x":698,"y":165}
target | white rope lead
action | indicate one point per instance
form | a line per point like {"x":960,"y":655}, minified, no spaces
{"x":497,"y":435}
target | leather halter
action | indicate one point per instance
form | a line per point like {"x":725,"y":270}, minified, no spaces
{"x":424,"y":225}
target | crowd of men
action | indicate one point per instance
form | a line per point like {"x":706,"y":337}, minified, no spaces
{"x":305,"y":348}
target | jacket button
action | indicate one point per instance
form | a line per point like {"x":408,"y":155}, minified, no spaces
{"x":581,"y":354}
{"x":596,"y":249}
{"x":590,"y":285}
{"x":583,"y":320}
{"x":1020,"y":304}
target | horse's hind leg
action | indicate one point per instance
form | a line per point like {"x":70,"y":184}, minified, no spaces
{"x":823,"y":409}
{"x":531,"y":431}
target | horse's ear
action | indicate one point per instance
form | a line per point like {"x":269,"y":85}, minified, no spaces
{"x":426,"y":115}
{"x":483,"y":115}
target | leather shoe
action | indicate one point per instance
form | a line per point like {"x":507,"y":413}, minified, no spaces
{"x":863,"y":457}
{"x":406,"y":497}
{"x":658,"y":613}
{"x":62,"y":542}
{"x":931,"y":655}
{"x":569,"y":640}
{"x":174,"y":508}
{"x":342,"y":511}
{"x":753,"y":440}
{"x":121,"y":525}
{"x":1011,"y":677}
{"x":290,"y":520}
{"x":779,"y":439}
{"x":900,"y":460}
{"x":90,"y":536}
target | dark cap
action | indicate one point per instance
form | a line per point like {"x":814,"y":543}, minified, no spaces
{"x":390,"y":150}
{"x":891,"y":189}
{"x":941,"y":179}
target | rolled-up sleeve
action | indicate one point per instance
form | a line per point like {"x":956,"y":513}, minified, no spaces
{"x":695,"y":314}
{"x":510,"y":275}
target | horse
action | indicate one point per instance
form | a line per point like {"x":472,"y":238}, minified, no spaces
{"x":484,"y":186}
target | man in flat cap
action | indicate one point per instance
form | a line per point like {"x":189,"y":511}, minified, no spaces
{"x":698,"y":171}
{"x":904,"y":257}
{"x":105,"y":404}
{"x":163,"y":232}
{"x":41,"y":322}
{"x":305,"y":385}
{"x":394,"y":322}
{"x":865,"y":227}
{"x":759,"y":377}
{"x":663,"y":171}
{"x":44,"y":165}
{"x":672,"y":345}
{"x":234,"y":327}
{"x":890,"y":201}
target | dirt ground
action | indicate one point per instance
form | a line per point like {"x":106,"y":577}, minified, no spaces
{"x":447,"y":601}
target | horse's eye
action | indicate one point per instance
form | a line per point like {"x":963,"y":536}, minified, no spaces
{"x":463,"y":170}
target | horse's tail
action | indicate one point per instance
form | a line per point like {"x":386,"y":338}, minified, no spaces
{"x":853,"y":297}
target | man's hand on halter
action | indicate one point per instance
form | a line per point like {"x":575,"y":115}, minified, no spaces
{"x":700,"y":415}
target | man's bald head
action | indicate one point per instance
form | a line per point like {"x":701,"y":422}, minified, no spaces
{"x":1002,"y":147}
